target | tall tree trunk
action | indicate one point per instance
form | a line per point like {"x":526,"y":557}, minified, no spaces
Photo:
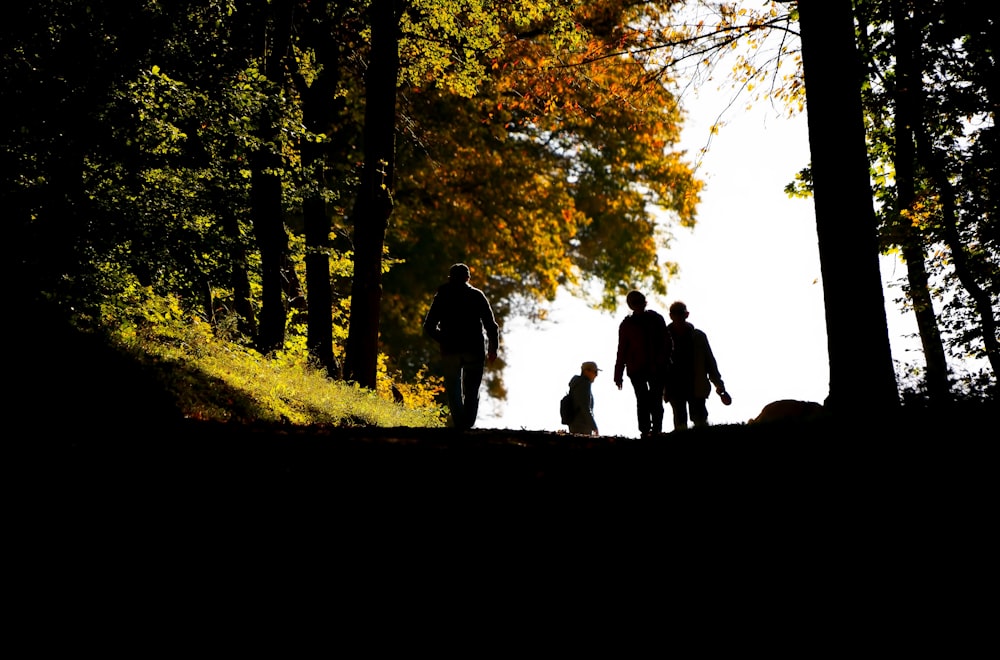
{"x":321,"y":108}
{"x":862,"y":379}
{"x":246,"y":323}
{"x":373,"y":205}
{"x":272,"y":241}
{"x":935,"y":161}
{"x":984,"y":303}
{"x":907,"y":119}
{"x":265,"y":188}
{"x":319,"y":321}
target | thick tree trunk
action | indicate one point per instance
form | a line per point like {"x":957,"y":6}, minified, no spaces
{"x":374,"y":202}
{"x":908,"y":117}
{"x":266,"y":191}
{"x":319,"y":323}
{"x":272,"y":241}
{"x":246,"y":323}
{"x":862,"y":379}
{"x":321,"y":108}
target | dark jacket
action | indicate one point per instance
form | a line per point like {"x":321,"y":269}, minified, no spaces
{"x":692,"y":365}
{"x":457,"y":318}
{"x":583,"y":402}
{"x":643,"y":347}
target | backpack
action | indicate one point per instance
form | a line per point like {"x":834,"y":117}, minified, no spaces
{"x":567,"y":411}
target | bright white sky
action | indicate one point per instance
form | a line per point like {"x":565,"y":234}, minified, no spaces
{"x":749,"y":273}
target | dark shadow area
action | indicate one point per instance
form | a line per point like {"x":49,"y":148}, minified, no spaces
{"x":116,"y":497}
{"x":70,"y":381}
{"x":109,"y":456}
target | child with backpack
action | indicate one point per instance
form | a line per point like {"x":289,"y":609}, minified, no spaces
{"x":577,"y":407}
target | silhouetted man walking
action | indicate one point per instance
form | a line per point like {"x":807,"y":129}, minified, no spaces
{"x":457,"y":319}
{"x":642,"y":356}
{"x":692,"y":368}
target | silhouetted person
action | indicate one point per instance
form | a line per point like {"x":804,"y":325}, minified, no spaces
{"x":692,"y":368}
{"x":583,"y":400}
{"x":642,"y":356}
{"x":457,"y":319}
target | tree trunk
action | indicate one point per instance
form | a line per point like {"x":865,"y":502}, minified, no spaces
{"x":246,"y":323}
{"x":983,"y":301}
{"x":862,"y":379}
{"x":935,"y":162}
{"x":319,"y":322}
{"x":272,"y":241}
{"x":266,"y":191}
{"x":321,"y":108}
{"x":907,"y":120}
{"x":373,"y":205}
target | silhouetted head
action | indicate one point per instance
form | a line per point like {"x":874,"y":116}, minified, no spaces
{"x":678,"y":311}
{"x":635,"y":301}
{"x":459,"y":273}
{"x":590,"y":370}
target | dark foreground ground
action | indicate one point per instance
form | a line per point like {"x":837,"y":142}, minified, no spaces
{"x":96,"y":427}
{"x":874,"y":470}
{"x":130,"y":529}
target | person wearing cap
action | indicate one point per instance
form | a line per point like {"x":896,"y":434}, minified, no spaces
{"x":457,"y":319}
{"x":642,"y":356}
{"x":692,"y":368}
{"x":583,"y":400}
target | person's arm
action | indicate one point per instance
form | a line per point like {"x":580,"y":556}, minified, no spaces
{"x":492,"y":330}
{"x":712,"y":368}
{"x":431,"y":328}
{"x":590,"y":414}
{"x":620,"y":356}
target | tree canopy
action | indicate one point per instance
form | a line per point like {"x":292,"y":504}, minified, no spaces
{"x":313,"y":168}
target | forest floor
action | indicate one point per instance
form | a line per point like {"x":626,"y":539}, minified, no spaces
{"x":125,"y":519}
{"x":96,"y":441}
{"x":784,"y":464}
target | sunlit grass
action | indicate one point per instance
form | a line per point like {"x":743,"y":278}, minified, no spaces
{"x":213,"y":379}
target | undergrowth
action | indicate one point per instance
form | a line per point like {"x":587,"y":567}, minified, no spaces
{"x":218,"y":379}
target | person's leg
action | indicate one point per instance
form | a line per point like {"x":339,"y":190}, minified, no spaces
{"x":679,"y":407}
{"x":699,"y":411}
{"x":472,"y":378}
{"x":451,"y":369}
{"x":656,"y":405}
{"x":641,"y":389}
